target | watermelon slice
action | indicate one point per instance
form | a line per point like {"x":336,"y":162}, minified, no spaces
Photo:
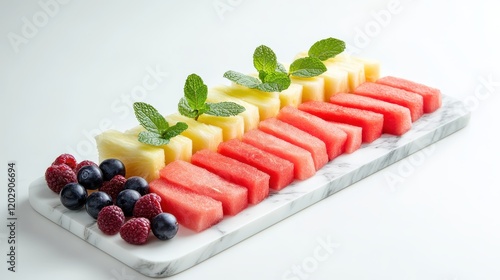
{"x":333,"y":136}
{"x":279,"y":170}
{"x":414,"y":102}
{"x":297,"y":137}
{"x":194,"y":211}
{"x":234,"y":197}
{"x":302,"y":160}
{"x":256,"y":181}
{"x":354,"y":136}
{"x":371,"y":123}
{"x":432,"y":96}
{"x":397,"y":119}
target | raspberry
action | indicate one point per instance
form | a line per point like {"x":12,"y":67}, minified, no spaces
{"x":67,"y":159}
{"x":136,"y":231}
{"x":148,"y":206}
{"x":57,"y":176}
{"x":114,"y":186}
{"x":84,"y":163}
{"x":110,"y":219}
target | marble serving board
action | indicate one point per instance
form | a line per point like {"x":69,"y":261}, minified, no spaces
{"x":166,"y":258}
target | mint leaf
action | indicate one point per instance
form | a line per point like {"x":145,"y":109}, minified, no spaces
{"x":151,"y":138}
{"x":307,"y":67}
{"x":264,"y":59}
{"x":273,"y":76}
{"x":277,"y":81}
{"x":326,"y":48}
{"x":280,"y":68}
{"x":195,"y":91}
{"x":185,"y":109}
{"x":158,"y":132}
{"x":194,"y":107}
{"x":224,"y":109}
{"x":149,"y":118}
{"x":242,"y":79}
{"x":174,"y":130}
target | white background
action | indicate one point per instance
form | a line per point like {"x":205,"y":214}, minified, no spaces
{"x":71,"y":69}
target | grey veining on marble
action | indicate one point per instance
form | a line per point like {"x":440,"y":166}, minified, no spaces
{"x":163,"y":259}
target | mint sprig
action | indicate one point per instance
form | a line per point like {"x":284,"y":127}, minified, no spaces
{"x":273,"y":76}
{"x":158,"y":132}
{"x":194,"y":104}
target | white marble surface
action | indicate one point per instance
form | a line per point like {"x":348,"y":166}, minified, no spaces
{"x":432,"y":215}
{"x":162,"y":259}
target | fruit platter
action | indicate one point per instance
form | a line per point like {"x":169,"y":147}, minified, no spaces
{"x":178,"y":188}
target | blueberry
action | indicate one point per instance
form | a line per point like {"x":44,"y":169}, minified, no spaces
{"x":137,"y":183}
{"x":111,"y":167}
{"x":73,"y":196}
{"x":96,"y":201}
{"x":164,"y":226}
{"x":126,"y":200}
{"x":90,"y":177}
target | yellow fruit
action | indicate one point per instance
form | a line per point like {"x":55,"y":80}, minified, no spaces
{"x":267,"y":102}
{"x":336,"y":81}
{"x":204,"y":136}
{"x":355,"y":71}
{"x":292,"y":96}
{"x":179,"y":147}
{"x":313,"y":89}
{"x":139,"y":159}
{"x":232,"y":127}
{"x":250,"y":115}
{"x":371,"y":67}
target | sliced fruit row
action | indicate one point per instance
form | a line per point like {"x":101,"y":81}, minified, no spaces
{"x":268,"y":150}
{"x":219,"y":166}
{"x":206,"y":133}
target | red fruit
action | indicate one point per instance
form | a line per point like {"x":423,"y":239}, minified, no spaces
{"x":84,"y":163}
{"x":110,"y":219}
{"x":113,"y":186}
{"x":57,"y":176}
{"x":67,"y":159}
{"x":136,"y":231}
{"x":148,"y":206}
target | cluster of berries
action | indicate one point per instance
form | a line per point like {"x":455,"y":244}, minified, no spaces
{"x":120,"y":205}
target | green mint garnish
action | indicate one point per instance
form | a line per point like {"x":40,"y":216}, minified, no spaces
{"x":273,"y":76}
{"x":326,"y":48}
{"x":194,"y":104}
{"x":264,"y":59}
{"x":158,"y":132}
{"x":307,"y":67}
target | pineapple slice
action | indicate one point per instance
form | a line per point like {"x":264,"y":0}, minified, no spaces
{"x":204,"y":136}
{"x":250,"y":115}
{"x":336,"y":81}
{"x":371,"y":67}
{"x":179,"y":147}
{"x":267,"y":102}
{"x":352,"y":64}
{"x":139,"y":159}
{"x":313,"y":89}
{"x":232,"y":127}
{"x":355,"y":71}
{"x":292,"y":96}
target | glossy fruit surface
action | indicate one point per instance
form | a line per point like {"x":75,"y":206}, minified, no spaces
{"x":137,"y":183}
{"x":90,"y":177}
{"x":126,"y":200}
{"x":73,"y":196}
{"x":96,"y":201}
{"x":112,"y":167}
{"x":164,"y":226}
